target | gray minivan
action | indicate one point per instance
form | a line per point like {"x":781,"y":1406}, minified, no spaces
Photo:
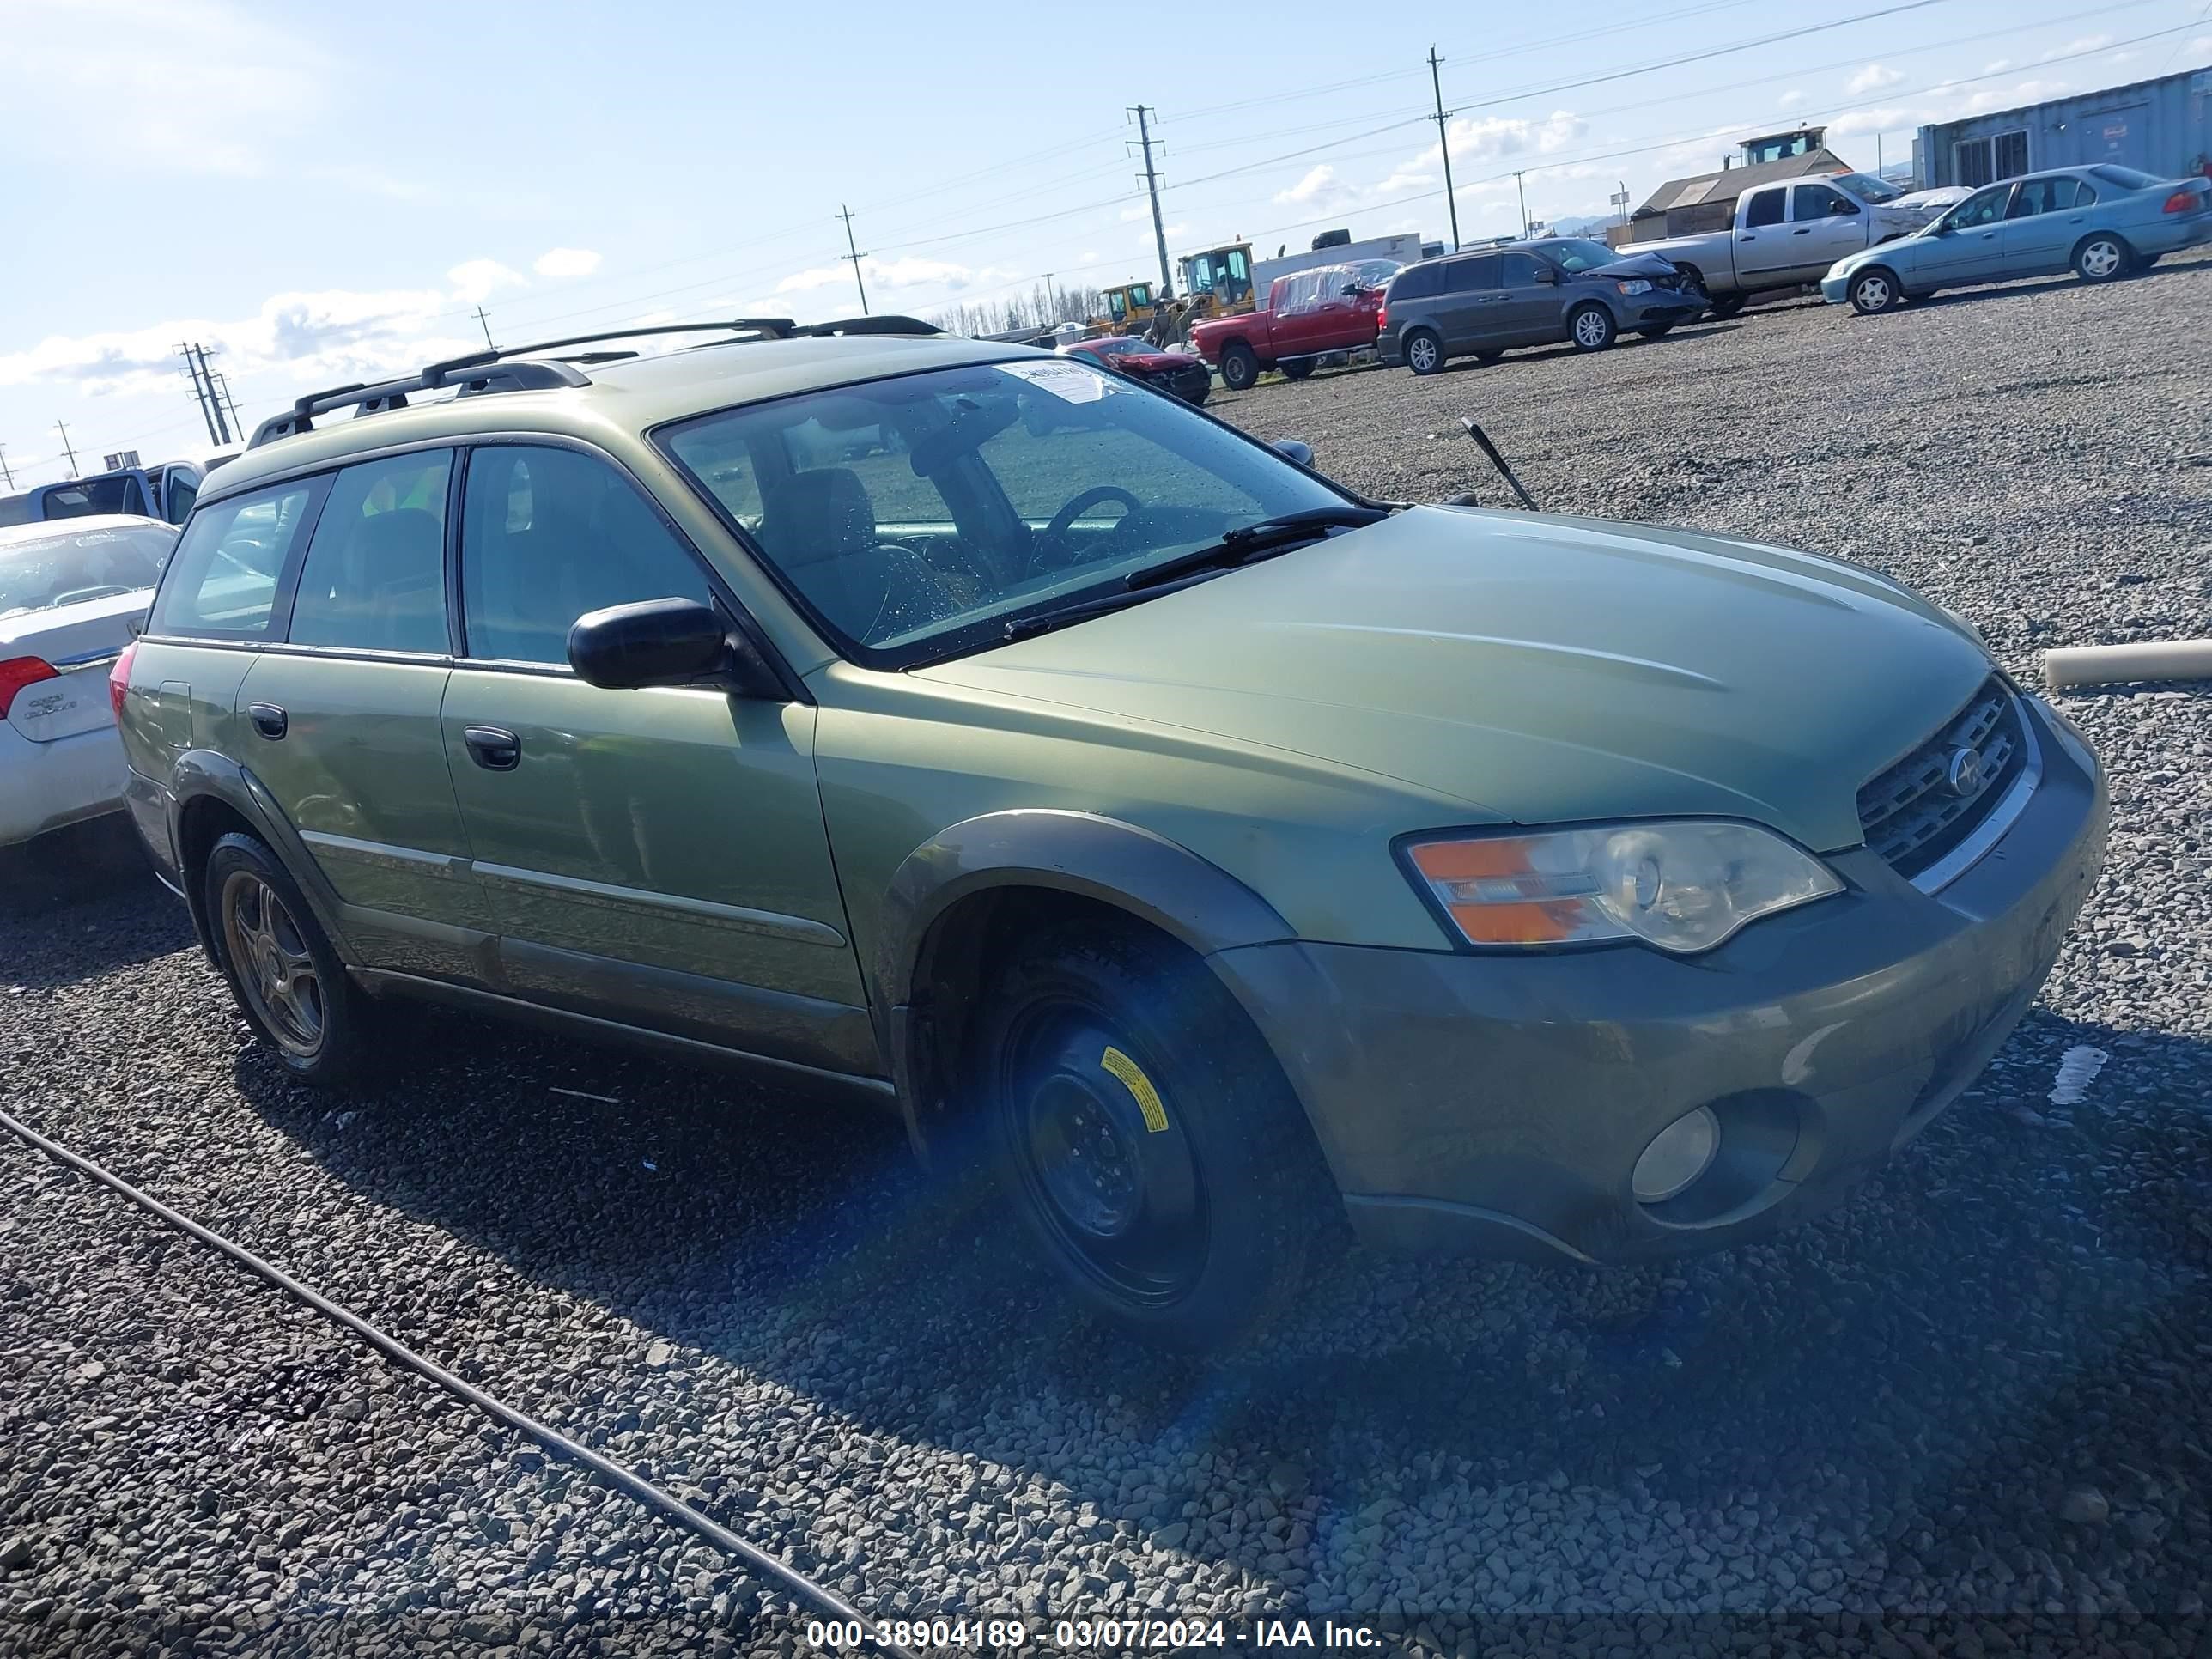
{"x":1539,"y":292}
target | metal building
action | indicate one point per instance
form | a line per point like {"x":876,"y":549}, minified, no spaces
{"x":2163,"y":127}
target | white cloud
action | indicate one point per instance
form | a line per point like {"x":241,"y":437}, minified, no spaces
{"x":2079,"y":43}
{"x":1792,"y":98}
{"x":2198,"y":47}
{"x":566,"y":261}
{"x":1888,"y":119}
{"x":1873,"y":78}
{"x":477,"y":280}
{"x":1317,"y":179}
{"x":1088,"y":257}
{"x":1997,"y":66}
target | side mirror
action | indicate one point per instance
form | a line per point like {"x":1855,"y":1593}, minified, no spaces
{"x":1300,"y":452}
{"x":626,"y":647}
{"x":1546,"y":276}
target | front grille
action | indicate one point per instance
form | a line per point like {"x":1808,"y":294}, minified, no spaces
{"x":1911,"y":813}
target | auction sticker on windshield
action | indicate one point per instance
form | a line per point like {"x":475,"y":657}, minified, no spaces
{"x":1069,"y":382}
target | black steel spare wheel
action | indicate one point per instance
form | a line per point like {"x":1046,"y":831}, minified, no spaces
{"x":1101,"y":1156}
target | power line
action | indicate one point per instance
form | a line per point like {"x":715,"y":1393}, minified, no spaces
{"x":1444,"y":142}
{"x":1152,"y":189}
{"x":853,"y":252}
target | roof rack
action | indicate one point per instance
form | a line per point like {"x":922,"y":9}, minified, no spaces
{"x":492,"y":371}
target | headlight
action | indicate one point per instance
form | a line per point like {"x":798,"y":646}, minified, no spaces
{"x":1682,"y":886}
{"x":1635,"y":285}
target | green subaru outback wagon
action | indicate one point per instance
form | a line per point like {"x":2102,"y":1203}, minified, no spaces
{"x":1206,"y":849}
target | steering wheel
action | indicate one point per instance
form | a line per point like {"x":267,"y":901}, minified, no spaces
{"x":1054,"y":534}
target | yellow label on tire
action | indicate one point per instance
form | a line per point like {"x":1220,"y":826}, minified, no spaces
{"x":1133,"y":1078}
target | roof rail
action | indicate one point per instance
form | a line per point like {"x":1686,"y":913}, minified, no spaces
{"x":492,"y":371}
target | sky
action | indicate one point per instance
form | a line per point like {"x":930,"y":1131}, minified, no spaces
{"x":328,"y":194}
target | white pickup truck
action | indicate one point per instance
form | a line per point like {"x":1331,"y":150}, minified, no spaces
{"x":1790,"y":234}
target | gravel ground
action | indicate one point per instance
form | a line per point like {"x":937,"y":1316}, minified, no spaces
{"x":1982,"y":1391}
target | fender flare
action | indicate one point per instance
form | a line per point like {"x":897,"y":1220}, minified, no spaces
{"x":203,"y":774}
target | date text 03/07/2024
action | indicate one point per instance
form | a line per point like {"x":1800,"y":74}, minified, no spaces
{"x":1093,"y":1635}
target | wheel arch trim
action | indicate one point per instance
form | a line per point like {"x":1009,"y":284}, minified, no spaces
{"x":200,"y":774}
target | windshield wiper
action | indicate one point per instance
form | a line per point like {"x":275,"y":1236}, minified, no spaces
{"x":1248,"y":541}
{"x":1043,"y":622}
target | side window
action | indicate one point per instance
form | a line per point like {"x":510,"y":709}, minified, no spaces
{"x":177,"y":498}
{"x":1819,"y":202}
{"x":1415,"y":282}
{"x":375,"y":578}
{"x":1986,"y":208}
{"x":1471,"y":276}
{"x":1764,"y":208}
{"x":1521,"y":270}
{"x":548,"y":534}
{"x":222,"y":578}
{"x":2084,"y":195}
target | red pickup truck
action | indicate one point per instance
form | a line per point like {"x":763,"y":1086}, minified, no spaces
{"x":1308,"y":313}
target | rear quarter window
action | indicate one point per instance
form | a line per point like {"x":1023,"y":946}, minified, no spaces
{"x":223,"y":579}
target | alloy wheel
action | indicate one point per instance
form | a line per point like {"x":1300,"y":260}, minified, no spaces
{"x":1422,"y":355}
{"x":1872,"y":293}
{"x":269,"y":955}
{"x":1591,"y":329}
{"x":2101,"y":259}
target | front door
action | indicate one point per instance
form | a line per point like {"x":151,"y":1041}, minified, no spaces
{"x":658,"y":856}
{"x":1824,"y":225}
{"x":339,"y":718}
{"x":1970,"y":247}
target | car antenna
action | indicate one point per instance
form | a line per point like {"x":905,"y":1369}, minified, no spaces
{"x":1482,"y":442}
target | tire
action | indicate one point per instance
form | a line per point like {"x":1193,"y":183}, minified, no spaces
{"x":1591,"y":328}
{"x":1298,"y":368}
{"x":1424,"y":351}
{"x":1876,"y":290}
{"x":286,"y":979}
{"x":1240,"y":366}
{"x":1188,"y":1223}
{"x":1727,"y":305}
{"x":2101,"y":256}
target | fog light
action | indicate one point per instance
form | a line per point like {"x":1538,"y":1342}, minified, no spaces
{"x":1677,"y":1156}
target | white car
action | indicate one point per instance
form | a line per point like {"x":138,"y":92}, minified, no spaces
{"x":72,"y":592}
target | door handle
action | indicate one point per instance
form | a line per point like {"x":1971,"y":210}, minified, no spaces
{"x":493,"y":747}
{"x":269,"y":720}
{"x":1802,"y":230}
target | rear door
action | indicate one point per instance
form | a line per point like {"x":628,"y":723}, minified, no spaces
{"x":659,"y":856}
{"x":339,"y":718}
{"x":2044,"y":219}
{"x":1824,"y":225}
{"x":1762,"y":238}
{"x":1467,"y":310}
{"x":1529,"y":307}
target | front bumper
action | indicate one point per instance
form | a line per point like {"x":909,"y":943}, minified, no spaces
{"x":1837,"y":290}
{"x":1498,"y":1104}
{"x":1661,"y":308}
{"x":1192,"y":384}
{"x":45,"y":785}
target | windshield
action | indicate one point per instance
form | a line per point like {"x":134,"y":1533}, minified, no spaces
{"x":2125,"y":178}
{"x":1579,"y":253}
{"x":1867,"y":187}
{"x":915,"y":518}
{"x":77,"y":565}
{"x":82,"y":498}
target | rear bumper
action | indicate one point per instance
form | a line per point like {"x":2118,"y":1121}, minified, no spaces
{"x":1481,"y":1102}
{"x":45,"y":785}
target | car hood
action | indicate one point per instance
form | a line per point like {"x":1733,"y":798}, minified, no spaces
{"x":1539,"y":669}
{"x":1641,"y":264}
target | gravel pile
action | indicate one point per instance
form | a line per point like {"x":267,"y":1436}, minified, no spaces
{"x":1983,"y":1388}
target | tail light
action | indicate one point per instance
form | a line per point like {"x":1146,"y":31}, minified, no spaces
{"x":119,"y":680}
{"x":2185,"y":201}
{"x":1381,"y":316}
{"x":15,"y":674}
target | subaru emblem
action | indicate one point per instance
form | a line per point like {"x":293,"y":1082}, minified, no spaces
{"x":1963,"y":774}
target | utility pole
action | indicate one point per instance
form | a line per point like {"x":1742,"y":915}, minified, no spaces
{"x":1443,"y":143}
{"x":200,"y":393}
{"x":1051,"y":301}
{"x":1524,"y":204}
{"x":1152,"y":186}
{"x":853,"y":252}
{"x":486,"y":327}
{"x":66,"y":448}
{"x":222,"y":384}
{"x":221,"y":426}
{"x":4,"y":473}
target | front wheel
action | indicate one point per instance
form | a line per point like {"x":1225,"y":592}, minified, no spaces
{"x":1425,"y":352}
{"x":1240,"y":366}
{"x":1146,"y":1135}
{"x":282,"y":969}
{"x":1592,"y":328}
{"x":2100,"y":258}
{"x":1873,"y":292}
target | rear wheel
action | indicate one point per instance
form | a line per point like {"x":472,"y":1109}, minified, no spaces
{"x":286,"y":977}
{"x":1425,"y":352}
{"x":2101,"y":257}
{"x":1298,"y":368}
{"x":1146,"y":1135}
{"x":1240,"y":366}
{"x":1873,"y":292}
{"x":1591,"y":328}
